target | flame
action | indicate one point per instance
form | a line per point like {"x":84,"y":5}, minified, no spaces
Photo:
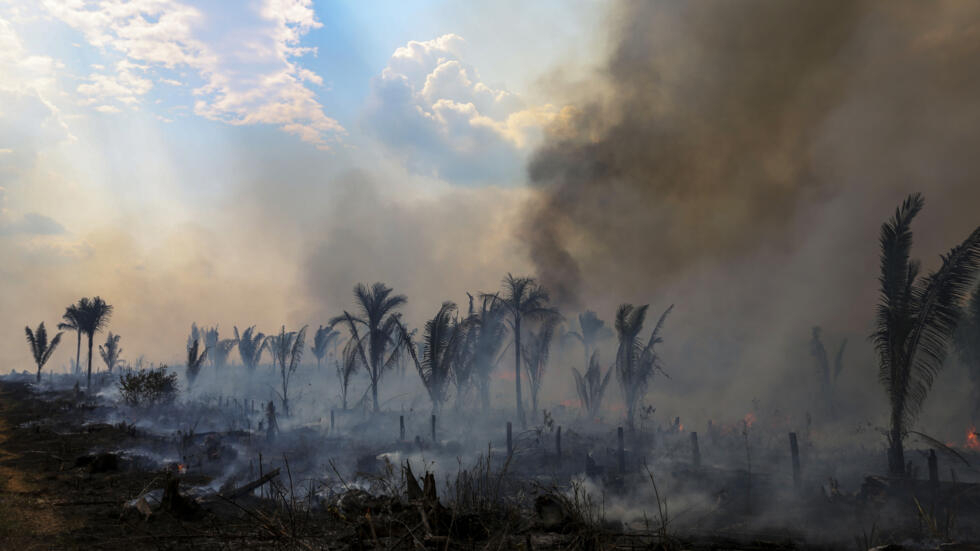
{"x":972,"y":439}
{"x":680,"y":427}
{"x":181,"y":468}
{"x":749,"y":419}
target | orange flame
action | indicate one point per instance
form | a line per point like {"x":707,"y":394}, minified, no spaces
{"x":181,"y":468}
{"x":749,"y":419}
{"x":972,"y":439}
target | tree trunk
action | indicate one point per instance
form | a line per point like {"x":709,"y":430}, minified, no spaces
{"x":374,"y":395}
{"x":517,"y":371}
{"x":89,"y":384}
{"x":534,"y":404}
{"x":78,"y":351}
{"x":39,"y":374}
{"x":896,"y":452}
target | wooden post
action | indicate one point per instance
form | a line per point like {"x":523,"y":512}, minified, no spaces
{"x":622,"y":451}
{"x":794,"y":450}
{"x":401,"y":427}
{"x":331,"y":422}
{"x":558,"y":446}
{"x":433,"y":428}
{"x":261,"y":492}
{"x":510,"y":443}
{"x":933,"y":469}
{"x":695,"y":450}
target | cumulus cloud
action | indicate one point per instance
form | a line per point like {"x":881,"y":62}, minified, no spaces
{"x":250,"y":73}
{"x":432,"y":109}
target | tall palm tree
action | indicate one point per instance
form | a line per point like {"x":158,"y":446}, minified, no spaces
{"x":287,"y":351}
{"x":916,"y":319}
{"x":591,"y":331}
{"x":383,"y":332}
{"x":211,"y":340}
{"x":346,"y":367}
{"x":41,"y":349}
{"x":440,"y":346}
{"x":636,"y":362}
{"x":522,"y":299}
{"x":250,"y":346}
{"x":592,"y":386}
{"x":70,"y":323}
{"x":488,"y":330}
{"x":195,"y":359}
{"x":322,"y":339}
{"x":536,"y":352}
{"x":111,"y":351}
{"x":968,"y":345}
{"x":94,"y":316}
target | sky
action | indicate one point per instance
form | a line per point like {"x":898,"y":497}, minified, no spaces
{"x":192,"y":161}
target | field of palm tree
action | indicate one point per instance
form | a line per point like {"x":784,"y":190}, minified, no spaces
{"x":451,"y":435}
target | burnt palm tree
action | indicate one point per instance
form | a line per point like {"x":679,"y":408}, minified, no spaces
{"x":592,"y":386}
{"x":591,"y":331}
{"x":250,"y":346}
{"x":211,"y":340}
{"x":70,"y":323}
{"x":383,"y":333}
{"x":536,"y":352}
{"x":111,"y":351}
{"x":968,"y":345}
{"x":287,"y":351}
{"x":916,"y":320}
{"x":636,"y":362}
{"x":195,"y":359}
{"x":94,"y":316}
{"x":322,"y":339}
{"x":41,"y":349}
{"x":440,"y":346}
{"x":522,"y":299}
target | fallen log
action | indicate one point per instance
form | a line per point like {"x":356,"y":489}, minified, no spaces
{"x":244,"y":490}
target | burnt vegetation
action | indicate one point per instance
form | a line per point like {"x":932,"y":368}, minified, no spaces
{"x":347,"y":451}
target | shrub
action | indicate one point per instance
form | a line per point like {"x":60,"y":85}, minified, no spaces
{"x":148,"y":387}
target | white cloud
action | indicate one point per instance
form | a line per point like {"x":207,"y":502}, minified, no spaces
{"x":107,"y":109}
{"x":250,"y":73}
{"x":433,"y":109}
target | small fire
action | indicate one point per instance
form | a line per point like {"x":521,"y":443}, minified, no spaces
{"x":972,"y":439}
{"x":749,"y":419}
{"x":181,"y":468}
{"x":680,"y":427}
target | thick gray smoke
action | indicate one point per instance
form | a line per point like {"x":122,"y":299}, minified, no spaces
{"x":714,"y":125}
{"x":736,"y":158}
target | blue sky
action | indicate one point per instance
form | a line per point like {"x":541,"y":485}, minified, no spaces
{"x":177,"y":155}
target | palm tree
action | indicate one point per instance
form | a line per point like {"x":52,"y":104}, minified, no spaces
{"x":211,"y":340}
{"x":383,"y":332}
{"x":636,"y":362}
{"x":250,"y":346}
{"x":488,"y":331}
{"x":219,"y":354}
{"x":440,"y":345}
{"x":592,"y":386}
{"x":111,"y":351}
{"x":70,"y":323}
{"x":916,"y":319}
{"x":522,"y":299}
{"x":536,"y":353}
{"x":40,"y":348}
{"x":195,"y":358}
{"x":287,"y":351}
{"x":94,"y":315}
{"x":968,"y":345}
{"x":322,"y":339}
{"x":828,"y":378}
{"x":591,"y":331}
{"x":346,"y":367}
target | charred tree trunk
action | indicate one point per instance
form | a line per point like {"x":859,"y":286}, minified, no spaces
{"x":517,"y":372}
{"x":896,"y":452}
{"x":89,"y":384}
